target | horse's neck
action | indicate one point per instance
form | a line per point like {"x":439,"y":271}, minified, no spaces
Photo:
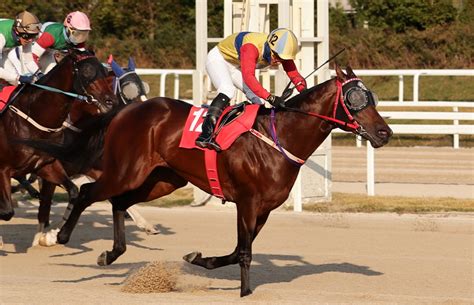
{"x":302,"y":134}
{"x":47,"y":108}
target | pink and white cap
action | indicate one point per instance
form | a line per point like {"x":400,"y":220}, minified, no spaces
{"x":77,"y":20}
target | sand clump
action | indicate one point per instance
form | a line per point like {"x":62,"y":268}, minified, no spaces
{"x":154,"y":277}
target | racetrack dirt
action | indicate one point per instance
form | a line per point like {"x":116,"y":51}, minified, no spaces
{"x":297,"y":259}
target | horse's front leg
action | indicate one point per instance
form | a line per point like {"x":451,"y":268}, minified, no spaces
{"x":72,"y":215}
{"x":120,"y":244}
{"x":6,"y":208}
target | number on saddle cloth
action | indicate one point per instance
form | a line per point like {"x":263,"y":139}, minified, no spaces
{"x":5,"y":94}
{"x":234,"y":123}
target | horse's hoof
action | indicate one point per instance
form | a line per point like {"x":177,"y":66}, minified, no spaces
{"x":49,"y":238}
{"x":151,"y":230}
{"x":63,"y":238}
{"x":245,"y":292}
{"x":102,"y":259}
{"x":191,"y":257}
{"x":1,"y":243}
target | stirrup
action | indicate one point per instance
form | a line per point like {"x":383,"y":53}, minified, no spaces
{"x":213,"y":145}
{"x":203,"y":142}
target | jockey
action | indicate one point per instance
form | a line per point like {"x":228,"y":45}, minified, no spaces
{"x":232,"y":63}
{"x":71,"y":34}
{"x":19,"y":32}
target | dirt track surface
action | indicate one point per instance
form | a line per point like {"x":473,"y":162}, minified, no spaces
{"x":297,"y":259}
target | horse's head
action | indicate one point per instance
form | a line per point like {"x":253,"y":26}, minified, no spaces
{"x":127,"y":84}
{"x":357,"y":107}
{"x":90,"y":80}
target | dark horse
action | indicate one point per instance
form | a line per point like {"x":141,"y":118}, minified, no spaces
{"x":128,"y":88}
{"x":143,"y":161}
{"x":39,"y":113}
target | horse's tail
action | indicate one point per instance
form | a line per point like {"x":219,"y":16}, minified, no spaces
{"x":81,"y":149}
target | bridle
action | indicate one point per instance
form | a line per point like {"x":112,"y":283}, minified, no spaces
{"x":344,"y":99}
{"x":84,"y":97}
{"x":349,"y":106}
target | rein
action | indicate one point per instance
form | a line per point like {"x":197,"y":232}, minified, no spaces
{"x":65,"y":124}
{"x":88,"y":98}
{"x":352,"y":125}
{"x":56,"y":90}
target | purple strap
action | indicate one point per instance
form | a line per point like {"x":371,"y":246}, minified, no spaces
{"x":275,"y":139}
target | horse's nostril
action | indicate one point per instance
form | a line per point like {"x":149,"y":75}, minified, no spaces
{"x":384,"y":133}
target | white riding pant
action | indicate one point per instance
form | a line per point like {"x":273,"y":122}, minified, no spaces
{"x":226,"y":77}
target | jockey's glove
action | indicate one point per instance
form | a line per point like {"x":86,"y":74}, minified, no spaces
{"x":276,"y":101}
{"x":26,"y":79}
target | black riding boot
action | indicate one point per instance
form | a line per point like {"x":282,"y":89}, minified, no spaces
{"x":206,"y":138}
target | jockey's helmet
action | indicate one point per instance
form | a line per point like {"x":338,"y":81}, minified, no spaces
{"x":283,"y":42}
{"x":27,"y":23}
{"x":78,"y":27}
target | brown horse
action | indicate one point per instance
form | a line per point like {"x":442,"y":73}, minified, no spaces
{"x":128,"y":88}
{"x":143,"y":161}
{"x":38,"y":112}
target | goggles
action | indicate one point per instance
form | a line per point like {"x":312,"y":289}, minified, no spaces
{"x":27,"y":36}
{"x":32,"y":27}
{"x":78,"y":36}
{"x":357,"y":98}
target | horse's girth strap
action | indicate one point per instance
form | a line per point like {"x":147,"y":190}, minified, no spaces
{"x":265,"y":139}
{"x":210,"y":158}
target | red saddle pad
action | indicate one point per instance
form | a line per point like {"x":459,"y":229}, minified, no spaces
{"x":227,"y":135}
{"x":5,"y":96}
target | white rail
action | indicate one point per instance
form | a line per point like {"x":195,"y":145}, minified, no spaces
{"x":456,"y":129}
{"x":416,"y":74}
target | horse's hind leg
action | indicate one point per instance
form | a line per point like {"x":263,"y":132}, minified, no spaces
{"x":120,"y":244}
{"x":141,"y":222}
{"x":46,"y":198}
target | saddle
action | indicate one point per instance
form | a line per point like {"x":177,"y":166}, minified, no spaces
{"x":234,"y":121}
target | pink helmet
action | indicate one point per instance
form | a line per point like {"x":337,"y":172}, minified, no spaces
{"x":77,"y":20}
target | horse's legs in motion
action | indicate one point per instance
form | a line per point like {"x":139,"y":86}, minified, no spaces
{"x":25,"y":184}
{"x":141,"y":222}
{"x":161,"y":182}
{"x":248,"y":226}
{"x":44,"y":210}
{"x":55,"y":173}
{"x":6,"y":208}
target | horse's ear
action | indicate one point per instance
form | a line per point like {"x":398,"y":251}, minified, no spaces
{"x":110,"y":59}
{"x":116,"y":68}
{"x":131,"y":64}
{"x":350,"y":73}
{"x":340,"y":75}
